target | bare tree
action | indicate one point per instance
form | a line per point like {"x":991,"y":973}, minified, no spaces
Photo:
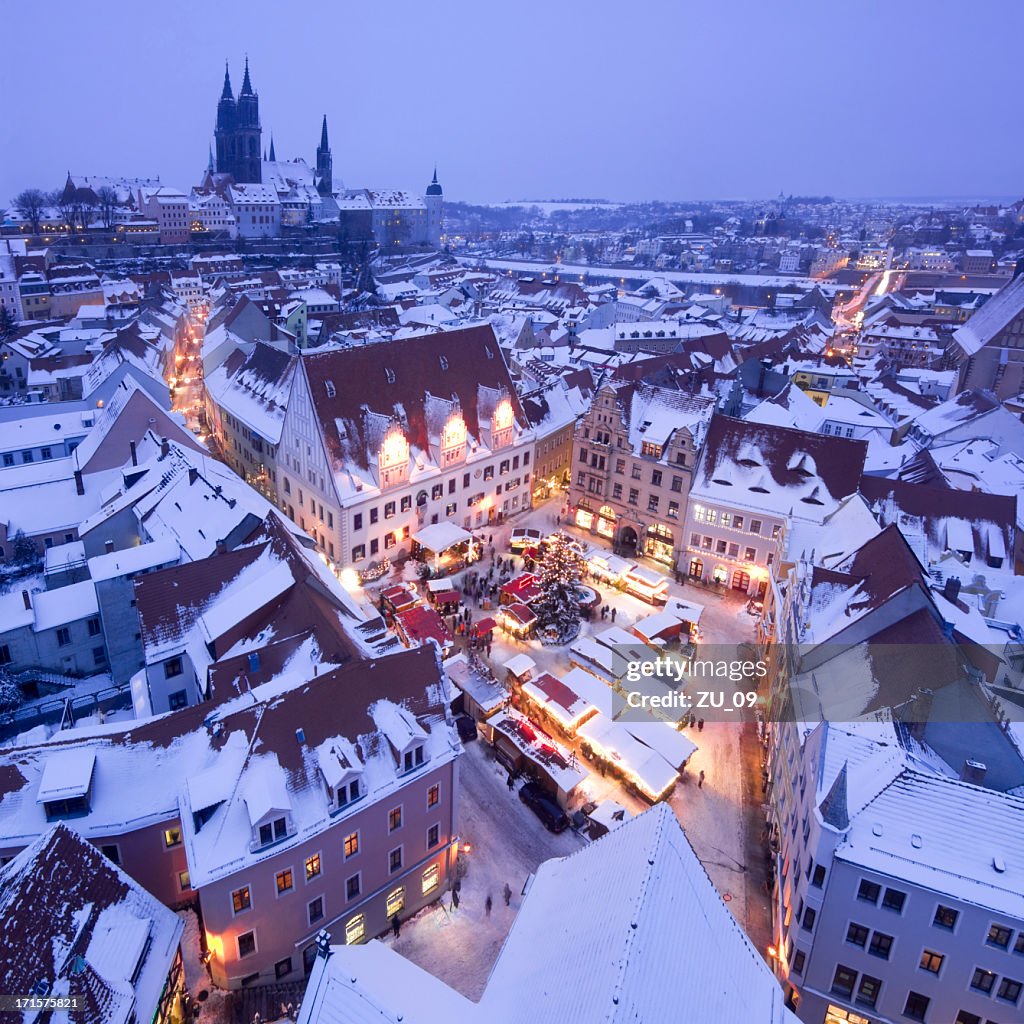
{"x":107,"y":202}
{"x":65,"y":203}
{"x":30,"y":204}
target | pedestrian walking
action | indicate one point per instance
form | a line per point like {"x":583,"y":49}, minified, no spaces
{"x":511,"y":782}
{"x":700,"y":725}
{"x":700,"y":781}
{"x":507,"y":893}
{"x":693,"y":721}
{"x":396,"y":925}
{"x":488,"y":903}
{"x":613,"y":615}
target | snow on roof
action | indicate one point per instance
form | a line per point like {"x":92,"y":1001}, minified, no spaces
{"x":945,"y":836}
{"x":67,"y":775}
{"x":263,"y":789}
{"x":615,"y":742}
{"x":793,"y":473}
{"x":128,"y":561}
{"x":73,"y":919}
{"x":573,"y":958}
{"x":58,"y":607}
{"x":520,"y":664}
{"x":441,"y":536}
{"x":473,"y":680}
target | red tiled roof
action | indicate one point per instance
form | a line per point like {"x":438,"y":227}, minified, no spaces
{"x":396,"y":378}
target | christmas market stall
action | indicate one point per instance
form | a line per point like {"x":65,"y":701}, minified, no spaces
{"x":523,"y":589}
{"x":480,"y":695}
{"x":398,"y":598}
{"x":523,"y":749}
{"x":550,"y":701}
{"x":615,"y":749}
{"x":518,"y":620}
{"x":443,"y":596}
{"x":519,"y":669}
{"x":416,"y":625}
{"x":445,"y":547}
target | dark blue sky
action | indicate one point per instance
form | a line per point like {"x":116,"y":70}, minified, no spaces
{"x":662,"y":99}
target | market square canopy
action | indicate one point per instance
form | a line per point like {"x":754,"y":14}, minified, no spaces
{"x":440,"y":537}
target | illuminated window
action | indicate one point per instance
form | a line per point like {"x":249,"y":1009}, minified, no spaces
{"x":172,"y":837}
{"x":396,"y":901}
{"x":284,"y":881}
{"x":241,"y":899}
{"x":434,"y":795}
{"x":351,"y":844}
{"x":355,"y":930}
{"x":312,"y":867}
{"x":431,"y":878}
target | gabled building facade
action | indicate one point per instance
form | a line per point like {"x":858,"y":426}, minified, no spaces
{"x":381,"y":440}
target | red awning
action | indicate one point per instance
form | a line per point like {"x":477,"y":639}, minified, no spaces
{"x":485,"y":625}
{"x":520,"y":613}
{"x":446,"y":597}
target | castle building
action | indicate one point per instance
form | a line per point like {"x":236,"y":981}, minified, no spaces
{"x":238,"y":131}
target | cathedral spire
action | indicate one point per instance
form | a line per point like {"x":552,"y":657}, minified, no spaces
{"x":246,"y":84}
{"x":272,"y":155}
{"x":209,"y":164}
{"x":226,"y":93}
{"x":323,"y":135}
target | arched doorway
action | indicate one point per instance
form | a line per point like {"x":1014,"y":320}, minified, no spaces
{"x":628,"y":538}
{"x":741,"y":580}
{"x":659,"y":545}
{"x":584,"y":516}
{"x":606,"y":521}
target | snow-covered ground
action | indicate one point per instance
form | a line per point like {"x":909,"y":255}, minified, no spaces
{"x":507,"y":843}
{"x":723,"y":818}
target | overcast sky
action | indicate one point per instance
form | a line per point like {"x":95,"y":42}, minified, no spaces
{"x":661,"y":99}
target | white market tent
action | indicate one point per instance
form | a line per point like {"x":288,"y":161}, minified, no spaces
{"x":614,"y":743}
{"x":440,"y":537}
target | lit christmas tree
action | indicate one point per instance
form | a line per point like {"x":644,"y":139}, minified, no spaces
{"x":558,"y":609}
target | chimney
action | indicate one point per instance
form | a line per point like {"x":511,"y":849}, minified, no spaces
{"x":135,"y":456}
{"x":27,"y":598}
{"x":300,"y":736}
{"x":165,"y":448}
{"x":79,"y":485}
{"x":222,"y":546}
{"x":973,"y":772}
{"x":254,"y":661}
{"x":108,"y":546}
{"x":193,"y":475}
{"x":951,"y":589}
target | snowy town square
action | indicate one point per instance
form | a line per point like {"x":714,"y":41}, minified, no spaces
{"x":514,"y":519}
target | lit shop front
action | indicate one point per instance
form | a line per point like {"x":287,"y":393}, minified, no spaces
{"x":603,"y":523}
{"x":659,"y":544}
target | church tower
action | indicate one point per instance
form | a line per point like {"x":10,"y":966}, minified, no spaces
{"x":324,"y":167}
{"x":434,"y":200}
{"x":247,"y":133}
{"x":225,"y":130}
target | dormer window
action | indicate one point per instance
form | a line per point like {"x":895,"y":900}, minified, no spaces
{"x":331,"y":390}
{"x":393,"y":459}
{"x":413,"y":758}
{"x":453,"y":440}
{"x":348,"y":793}
{"x":273,"y":831}
{"x":501,"y":424}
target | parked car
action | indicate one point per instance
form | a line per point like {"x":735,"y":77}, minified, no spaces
{"x":544,"y":806}
{"x":466,"y":728}
{"x":524,"y":537}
